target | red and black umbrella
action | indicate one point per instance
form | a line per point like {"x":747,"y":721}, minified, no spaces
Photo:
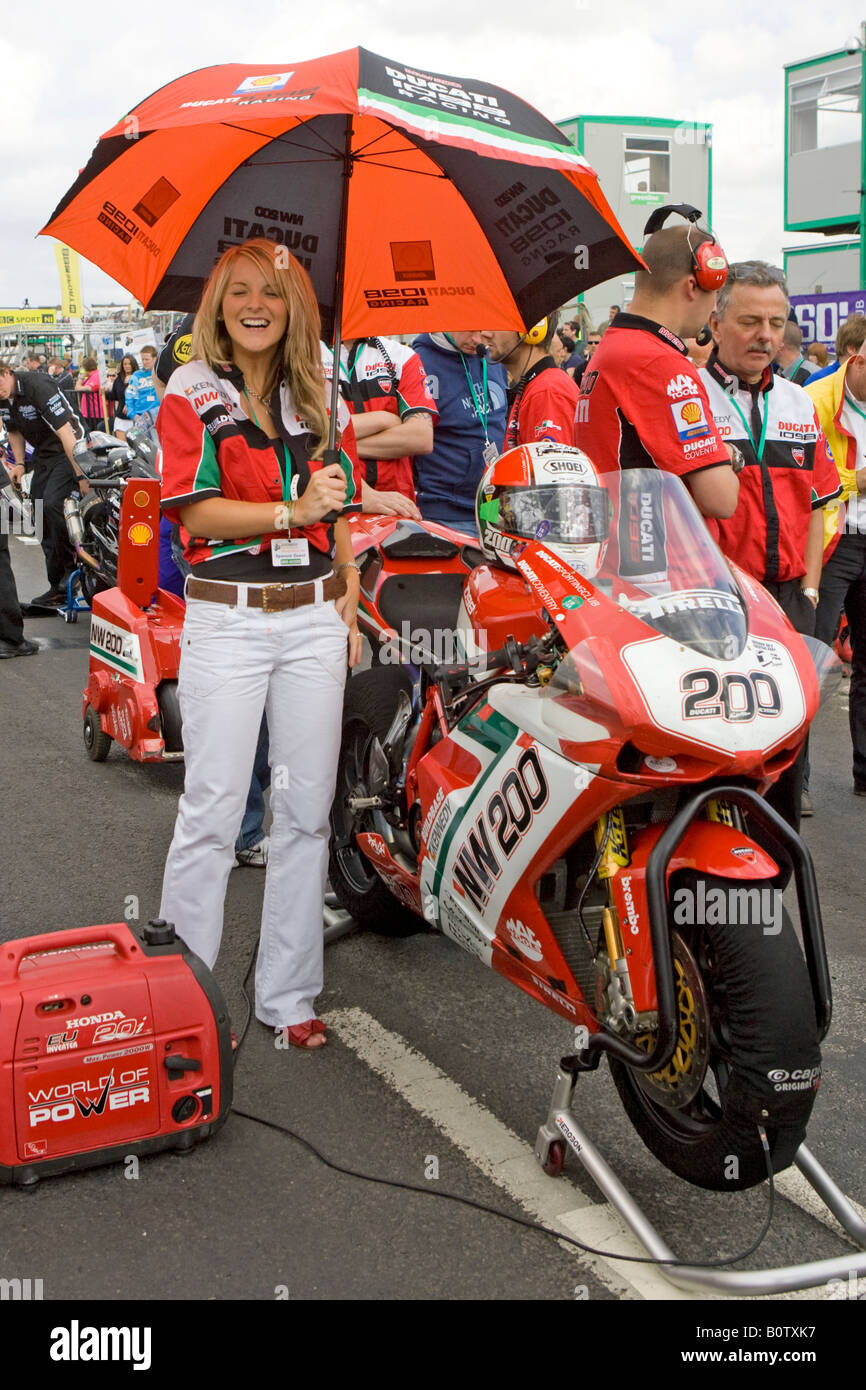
{"x":417,"y":202}
{"x":464,"y":206}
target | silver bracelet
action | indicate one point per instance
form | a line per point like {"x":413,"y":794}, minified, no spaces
{"x":347,"y":565}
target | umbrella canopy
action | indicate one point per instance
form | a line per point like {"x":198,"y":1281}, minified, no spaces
{"x":417,"y":202}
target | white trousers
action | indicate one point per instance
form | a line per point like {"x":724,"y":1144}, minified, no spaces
{"x":235,"y":662}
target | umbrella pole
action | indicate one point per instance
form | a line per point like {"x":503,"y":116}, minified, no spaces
{"x":331,"y":455}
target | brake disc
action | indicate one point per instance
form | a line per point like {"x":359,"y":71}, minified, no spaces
{"x":681,"y":1079}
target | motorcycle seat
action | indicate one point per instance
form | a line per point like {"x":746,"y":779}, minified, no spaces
{"x":409,"y":541}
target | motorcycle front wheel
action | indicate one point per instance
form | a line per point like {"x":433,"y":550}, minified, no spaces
{"x":747,"y":1052}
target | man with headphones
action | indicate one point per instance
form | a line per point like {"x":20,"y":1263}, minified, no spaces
{"x":643,"y":404}
{"x":543,"y":400}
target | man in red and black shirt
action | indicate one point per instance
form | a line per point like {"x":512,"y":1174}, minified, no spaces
{"x":642,"y":403}
{"x":543,"y":400}
{"x":776,"y":533}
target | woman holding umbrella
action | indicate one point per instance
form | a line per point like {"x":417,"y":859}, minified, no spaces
{"x":270,"y":617}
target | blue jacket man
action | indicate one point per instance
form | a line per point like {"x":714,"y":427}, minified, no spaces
{"x":470,"y":396}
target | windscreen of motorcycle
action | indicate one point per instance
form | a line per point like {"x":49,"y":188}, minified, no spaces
{"x":662,"y":564}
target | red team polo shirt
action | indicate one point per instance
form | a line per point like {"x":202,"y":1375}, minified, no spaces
{"x":544,"y":407}
{"x":643,"y":405}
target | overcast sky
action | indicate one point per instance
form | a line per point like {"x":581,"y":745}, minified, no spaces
{"x":69,"y":73}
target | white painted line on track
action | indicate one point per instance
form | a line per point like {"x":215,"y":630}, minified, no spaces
{"x":502,"y":1156}
{"x":507,"y":1160}
{"x":792,"y":1185}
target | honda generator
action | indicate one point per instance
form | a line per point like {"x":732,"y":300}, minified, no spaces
{"x":113,"y":1045}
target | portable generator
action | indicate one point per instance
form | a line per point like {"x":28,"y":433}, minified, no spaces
{"x":114,"y":1045}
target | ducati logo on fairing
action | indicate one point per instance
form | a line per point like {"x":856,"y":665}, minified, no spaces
{"x":503,"y":822}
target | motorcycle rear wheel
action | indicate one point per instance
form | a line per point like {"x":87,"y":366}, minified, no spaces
{"x":369,"y":706}
{"x":749,"y":1023}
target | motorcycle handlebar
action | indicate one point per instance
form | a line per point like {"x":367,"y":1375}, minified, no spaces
{"x":521,"y":657}
{"x":114,"y":483}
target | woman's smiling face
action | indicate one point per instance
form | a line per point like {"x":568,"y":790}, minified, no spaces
{"x":253,"y":310}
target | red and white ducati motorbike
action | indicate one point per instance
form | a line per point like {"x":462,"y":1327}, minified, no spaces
{"x":578,"y":803}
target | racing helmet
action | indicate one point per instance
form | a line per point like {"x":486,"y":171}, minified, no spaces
{"x":544,"y":492}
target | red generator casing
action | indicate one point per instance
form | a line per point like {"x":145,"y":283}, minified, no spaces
{"x":135,"y":635}
{"x":112,"y":1045}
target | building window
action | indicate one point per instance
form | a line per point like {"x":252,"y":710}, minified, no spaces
{"x":825,"y":110}
{"x":647,"y":164}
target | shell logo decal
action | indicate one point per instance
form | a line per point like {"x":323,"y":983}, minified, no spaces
{"x":691,"y":412}
{"x":140,"y":533}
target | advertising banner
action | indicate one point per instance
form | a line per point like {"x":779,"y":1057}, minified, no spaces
{"x":26,"y":318}
{"x":819,"y":315}
{"x":70,"y":281}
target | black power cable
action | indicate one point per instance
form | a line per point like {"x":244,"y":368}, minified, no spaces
{"x":482,"y":1206}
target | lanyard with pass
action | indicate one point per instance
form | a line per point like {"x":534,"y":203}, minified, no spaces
{"x":286,"y":553}
{"x":759,"y":447}
{"x":490,"y":451}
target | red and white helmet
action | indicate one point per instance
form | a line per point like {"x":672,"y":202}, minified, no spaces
{"x":544,"y":492}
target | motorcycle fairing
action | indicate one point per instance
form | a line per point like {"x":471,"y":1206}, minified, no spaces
{"x":764,"y":683}
{"x":613,"y":656}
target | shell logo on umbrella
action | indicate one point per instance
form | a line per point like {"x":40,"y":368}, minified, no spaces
{"x":270,"y":83}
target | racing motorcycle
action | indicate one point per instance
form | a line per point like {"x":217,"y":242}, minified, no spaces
{"x":574,"y":794}
{"x":93,"y":521}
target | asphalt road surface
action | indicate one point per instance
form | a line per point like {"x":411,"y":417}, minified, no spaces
{"x":437,"y":1073}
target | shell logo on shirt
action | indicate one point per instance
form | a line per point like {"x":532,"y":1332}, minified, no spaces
{"x":689,"y":418}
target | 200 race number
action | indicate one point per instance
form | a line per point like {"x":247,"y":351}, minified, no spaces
{"x":735,"y":697}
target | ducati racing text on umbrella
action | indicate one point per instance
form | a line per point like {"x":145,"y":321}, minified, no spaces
{"x":416,"y":202}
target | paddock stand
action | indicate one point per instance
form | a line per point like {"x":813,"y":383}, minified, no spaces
{"x":75,"y":603}
{"x":562,"y":1124}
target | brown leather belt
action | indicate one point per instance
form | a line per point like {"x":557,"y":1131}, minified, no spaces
{"x":273,"y":598}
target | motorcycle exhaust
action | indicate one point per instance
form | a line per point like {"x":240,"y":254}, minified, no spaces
{"x":75,"y":528}
{"x":74,"y":524}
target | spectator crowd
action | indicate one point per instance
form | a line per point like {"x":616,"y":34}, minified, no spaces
{"x":776,"y":462}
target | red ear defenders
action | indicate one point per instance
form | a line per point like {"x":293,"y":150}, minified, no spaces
{"x":709,"y":262}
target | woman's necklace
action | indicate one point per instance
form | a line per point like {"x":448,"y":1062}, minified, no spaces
{"x":265,"y":398}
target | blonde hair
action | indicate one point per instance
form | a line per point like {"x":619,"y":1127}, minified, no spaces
{"x":301,"y":356}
